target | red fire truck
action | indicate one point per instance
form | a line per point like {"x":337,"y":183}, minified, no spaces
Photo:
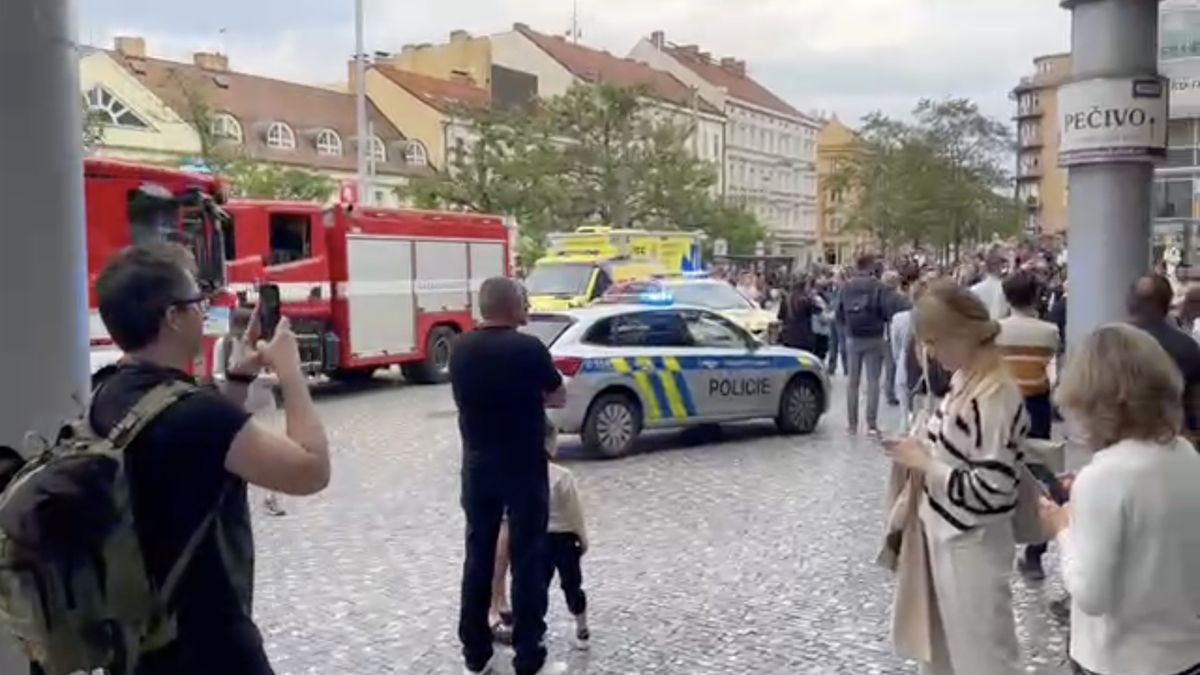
{"x":368,"y":288}
{"x":128,"y":204}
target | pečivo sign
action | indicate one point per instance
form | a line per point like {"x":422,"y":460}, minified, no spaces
{"x":1113,"y":120}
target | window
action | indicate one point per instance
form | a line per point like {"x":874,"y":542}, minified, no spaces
{"x":153,"y":214}
{"x":377,"y":150}
{"x":713,"y":332}
{"x":644,"y":329}
{"x":111,"y":110}
{"x":414,"y":153}
{"x":329,"y":143}
{"x":291,"y":237}
{"x":226,"y":127}
{"x":716,"y":146}
{"x":1173,"y":198}
{"x":280,"y":137}
{"x":1181,"y":143}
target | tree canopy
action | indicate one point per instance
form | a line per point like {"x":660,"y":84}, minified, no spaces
{"x":597,"y":154}
{"x":937,"y":180}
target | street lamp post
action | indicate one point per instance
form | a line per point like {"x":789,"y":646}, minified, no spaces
{"x":43,"y":270}
{"x":1110,"y":207}
{"x":360,"y":102}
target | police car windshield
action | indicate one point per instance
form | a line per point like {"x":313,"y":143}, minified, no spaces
{"x":716,"y":295}
{"x":567,"y":280}
{"x":547,"y":327}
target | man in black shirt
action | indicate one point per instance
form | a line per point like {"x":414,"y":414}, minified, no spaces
{"x":197,"y":456}
{"x":502,"y":381}
{"x":1149,"y":308}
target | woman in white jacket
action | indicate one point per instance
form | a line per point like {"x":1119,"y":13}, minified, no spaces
{"x":969,"y":456}
{"x":1130,"y":539}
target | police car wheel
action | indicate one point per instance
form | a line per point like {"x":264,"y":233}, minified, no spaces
{"x":800,"y":407}
{"x":612,"y":425}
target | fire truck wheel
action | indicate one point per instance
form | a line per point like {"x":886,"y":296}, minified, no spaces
{"x":435,"y":369}
{"x":352,"y":376}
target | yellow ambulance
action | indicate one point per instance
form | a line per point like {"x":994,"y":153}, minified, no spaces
{"x":579,"y":266}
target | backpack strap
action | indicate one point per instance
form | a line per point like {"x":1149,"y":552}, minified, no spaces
{"x":175,"y":575}
{"x":145,"y":410}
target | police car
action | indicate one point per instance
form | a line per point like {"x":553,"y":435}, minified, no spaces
{"x":701,"y":291}
{"x":630,"y":367}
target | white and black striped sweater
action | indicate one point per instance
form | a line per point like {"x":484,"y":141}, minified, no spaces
{"x":976,"y":446}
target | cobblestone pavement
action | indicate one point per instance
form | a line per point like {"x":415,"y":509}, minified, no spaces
{"x":744,"y":553}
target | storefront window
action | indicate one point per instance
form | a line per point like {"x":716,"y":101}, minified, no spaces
{"x":1179,"y":34}
{"x":1173,"y":198}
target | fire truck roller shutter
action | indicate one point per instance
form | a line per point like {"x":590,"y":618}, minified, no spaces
{"x":487,"y":261}
{"x":441,"y":281}
{"x":379,"y":295}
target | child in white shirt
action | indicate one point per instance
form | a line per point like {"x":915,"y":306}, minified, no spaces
{"x":567,"y":540}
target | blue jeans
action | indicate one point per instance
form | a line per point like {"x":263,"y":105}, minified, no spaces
{"x":860,"y":352}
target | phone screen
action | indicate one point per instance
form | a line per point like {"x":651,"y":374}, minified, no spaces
{"x":268,"y":311}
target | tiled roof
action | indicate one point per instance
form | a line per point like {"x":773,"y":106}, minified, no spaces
{"x":439,"y":94}
{"x":739,"y":86}
{"x":595,"y":66}
{"x":256,"y":102}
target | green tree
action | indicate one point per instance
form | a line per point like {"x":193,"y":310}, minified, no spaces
{"x":599,"y":154}
{"x":937,"y":180}
{"x":733,"y":223}
{"x":256,"y":180}
{"x":93,"y":127}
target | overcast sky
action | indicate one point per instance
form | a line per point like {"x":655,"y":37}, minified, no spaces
{"x":844,"y":56}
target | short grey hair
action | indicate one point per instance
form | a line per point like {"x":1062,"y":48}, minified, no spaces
{"x":499,"y":298}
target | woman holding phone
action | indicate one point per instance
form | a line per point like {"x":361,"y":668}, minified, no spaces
{"x":1130,"y":541}
{"x":969,"y":459}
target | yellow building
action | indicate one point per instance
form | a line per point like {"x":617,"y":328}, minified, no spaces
{"x":836,"y":144}
{"x":465,"y":58}
{"x":1041,"y":185}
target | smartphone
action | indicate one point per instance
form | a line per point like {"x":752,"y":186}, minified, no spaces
{"x":268,"y":311}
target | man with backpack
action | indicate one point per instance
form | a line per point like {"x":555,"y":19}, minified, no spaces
{"x":862,"y":313}
{"x":136,"y":524}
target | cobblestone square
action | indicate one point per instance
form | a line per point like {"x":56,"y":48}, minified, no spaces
{"x":744,"y":552}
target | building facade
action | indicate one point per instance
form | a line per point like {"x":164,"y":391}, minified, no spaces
{"x":560,"y":65}
{"x":149,"y":109}
{"x":836,"y":145}
{"x":1041,"y":184}
{"x":1175,"y":205}
{"x":770,"y":148}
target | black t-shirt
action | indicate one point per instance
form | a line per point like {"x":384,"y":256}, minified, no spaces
{"x":177,"y":476}
{"x":500,"y":378}
{"x":1185,"y":352}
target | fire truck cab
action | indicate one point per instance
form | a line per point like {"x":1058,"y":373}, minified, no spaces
{"x":366,"y":289}
{"x":127,"y":204}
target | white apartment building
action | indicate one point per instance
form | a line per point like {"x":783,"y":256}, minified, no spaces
{"x":770,"y":148}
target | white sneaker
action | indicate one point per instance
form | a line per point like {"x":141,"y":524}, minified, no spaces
{"x":553,"y":668}
{"x":583,"y":639}
{"x":488,"y":669}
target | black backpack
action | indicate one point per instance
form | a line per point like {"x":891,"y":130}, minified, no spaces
{"x":864,"y":313}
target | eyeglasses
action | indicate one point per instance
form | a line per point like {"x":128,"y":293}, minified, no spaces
{"x":200,"y":301}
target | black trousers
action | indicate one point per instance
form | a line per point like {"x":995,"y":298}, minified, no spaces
{"x":1041,"y":420}
{"x":486,"y":497}
{"x":566,"y":551}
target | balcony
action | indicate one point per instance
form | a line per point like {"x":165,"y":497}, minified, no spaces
{"x":1031,"y":141}
{"x":1029,"y":172}
{"x":1028,"y":112}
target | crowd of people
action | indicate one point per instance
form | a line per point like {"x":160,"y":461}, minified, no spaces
{"x":975,"y":359}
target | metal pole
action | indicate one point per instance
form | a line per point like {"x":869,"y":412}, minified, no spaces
{"x":1110,"y":207}
{"x":360,"y":95}
{"x":43,"y":285}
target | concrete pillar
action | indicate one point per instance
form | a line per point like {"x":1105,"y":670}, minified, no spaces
{"x":1110,"y":204}
{"x":43,"y":275}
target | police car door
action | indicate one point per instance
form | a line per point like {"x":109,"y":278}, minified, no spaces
{"x":651,"y":347}
{"x":726,"y":382}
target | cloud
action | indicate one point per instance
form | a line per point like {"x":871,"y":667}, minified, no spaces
{"x":845,"y":56}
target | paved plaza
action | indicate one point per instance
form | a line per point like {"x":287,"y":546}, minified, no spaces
{"x":747,"y":552}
